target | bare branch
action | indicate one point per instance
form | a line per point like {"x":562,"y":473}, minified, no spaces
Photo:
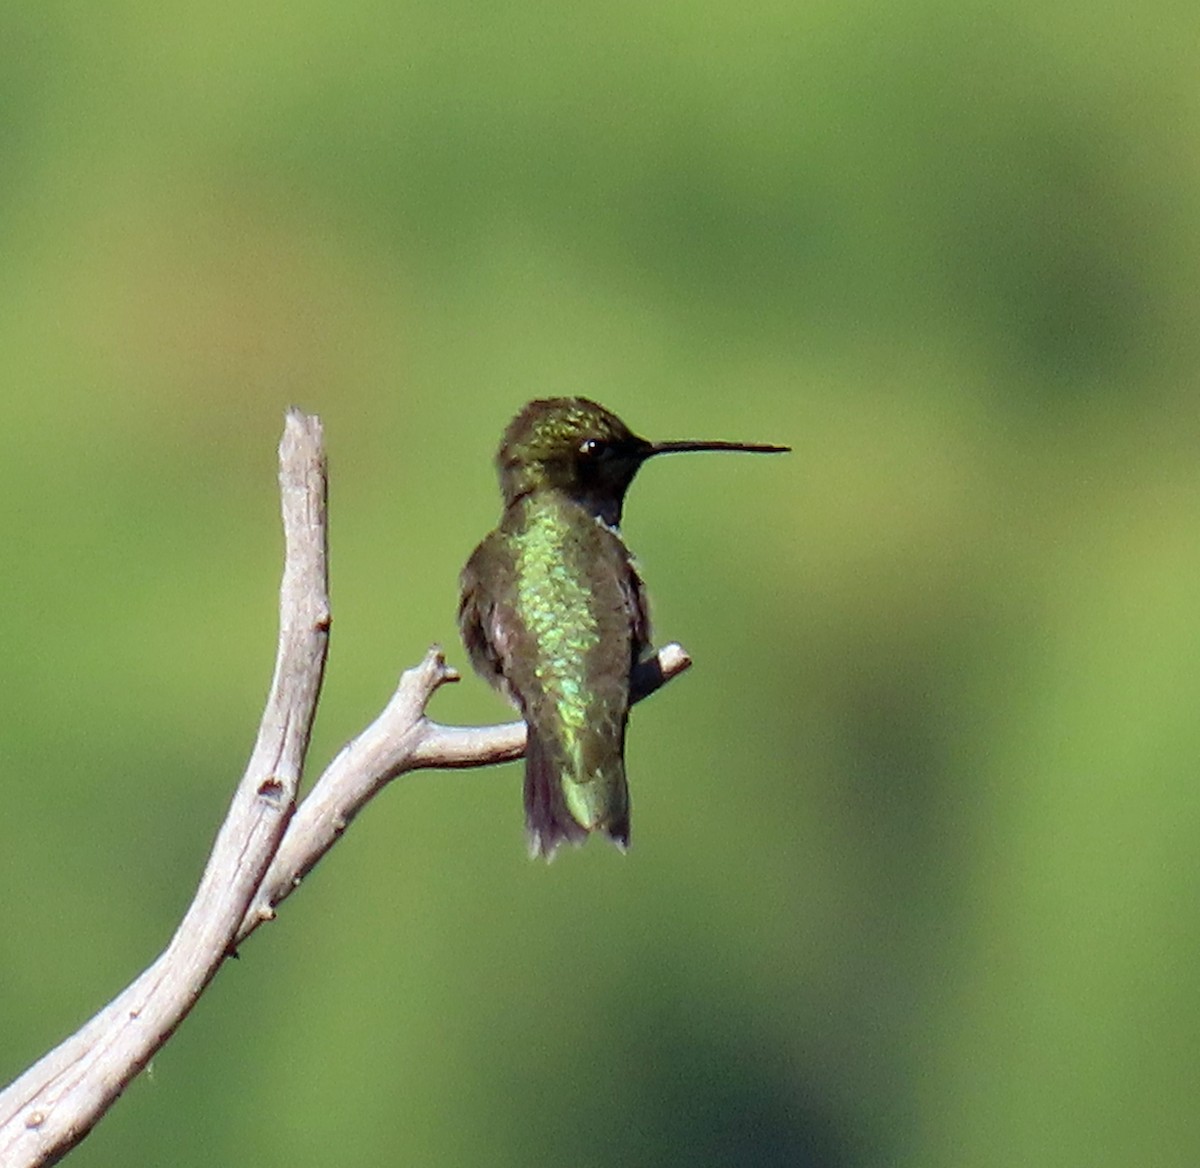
{"x":403,"y":739}
{"x":54,"y":1104}
{"x":266,"y":844}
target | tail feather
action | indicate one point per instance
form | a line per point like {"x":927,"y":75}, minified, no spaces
{"x":618,"y":830}
{"x":548,"y":822}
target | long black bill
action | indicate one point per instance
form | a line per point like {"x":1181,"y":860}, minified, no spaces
{"x":747,"y":447}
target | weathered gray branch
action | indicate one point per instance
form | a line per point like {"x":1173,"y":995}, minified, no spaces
{"x":403,"y":739}
{"x":54,"y":1104}
{"x":266,"y":844}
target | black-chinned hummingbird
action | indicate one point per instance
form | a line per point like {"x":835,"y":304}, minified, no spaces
{"x":553,"y":612}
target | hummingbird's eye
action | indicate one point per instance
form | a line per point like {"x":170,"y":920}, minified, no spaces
{"x":591,"y":447}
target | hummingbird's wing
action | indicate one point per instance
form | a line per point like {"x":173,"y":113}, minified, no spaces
{"x":482,"y":620}
{"x":636,"y":606}
{"x":493,"y":629}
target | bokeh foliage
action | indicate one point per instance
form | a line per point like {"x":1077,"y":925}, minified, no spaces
{"x":915,"y":873}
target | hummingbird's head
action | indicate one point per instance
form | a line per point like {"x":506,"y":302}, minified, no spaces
{"x":572,"y":445}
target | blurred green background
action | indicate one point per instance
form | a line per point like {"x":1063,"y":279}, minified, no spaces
{"x":915,"y":875}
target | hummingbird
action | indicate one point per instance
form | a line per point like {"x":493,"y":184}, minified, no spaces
{"x":553,"y":612}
